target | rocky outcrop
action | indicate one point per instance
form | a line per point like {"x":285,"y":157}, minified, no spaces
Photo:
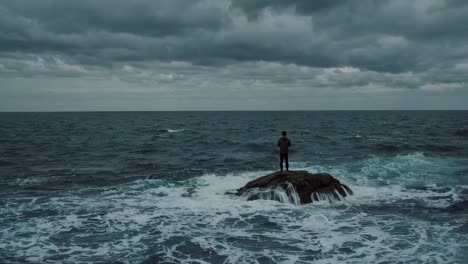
{"x":296,"y":187}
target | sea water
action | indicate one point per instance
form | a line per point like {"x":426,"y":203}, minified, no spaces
{"x":149,"y":187}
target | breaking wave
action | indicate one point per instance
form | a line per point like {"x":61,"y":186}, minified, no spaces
{"x":174,"y":130}
{"x":136,"y":188}
{"x":175,"y":219}
{"x":288,"y":195}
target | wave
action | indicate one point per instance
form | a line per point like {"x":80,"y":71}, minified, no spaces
{"x":288,"y":195}
{"x":388,"y":147}
{"x":410,"y":169}
{"x":458,"y":207}
{"x":356,"y":137}
{"x":172,"y":218}
{"x":5,"y":163}
{"x":441,"y":148}
{"x":147,"y":149}
{"x":401,"y":147}
{"x":260,"y":147}
{"x":174,"y":130}
{"x":161,"y":132}
{"x":394,"y":199}
{"x":461,"y":132}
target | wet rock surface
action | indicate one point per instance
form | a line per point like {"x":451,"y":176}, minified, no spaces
{"x":297,"y":187}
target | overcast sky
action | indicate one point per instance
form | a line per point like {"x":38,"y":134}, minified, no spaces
{"x":60,"y":55}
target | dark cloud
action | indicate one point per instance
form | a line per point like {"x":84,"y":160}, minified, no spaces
{"x":142,"y":17}
{"x":385,"y":36}
{"x":254,"y":8}
{"x":334,"y":33}
{"x":306,"y":44}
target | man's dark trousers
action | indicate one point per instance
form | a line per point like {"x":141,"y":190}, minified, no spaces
{"x":285,"y":157}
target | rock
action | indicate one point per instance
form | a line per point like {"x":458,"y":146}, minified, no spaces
{"x":296,"y":187}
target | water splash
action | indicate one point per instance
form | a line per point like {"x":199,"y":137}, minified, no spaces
{"x":289,"y":195}
{"x":286,"y":195}
{"x":332,"y":194}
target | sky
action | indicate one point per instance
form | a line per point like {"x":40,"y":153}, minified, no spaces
{"x":166,"y":55}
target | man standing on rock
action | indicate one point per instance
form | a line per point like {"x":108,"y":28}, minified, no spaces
{"x":284,"y":143}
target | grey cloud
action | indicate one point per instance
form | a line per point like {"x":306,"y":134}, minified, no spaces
{"x":384,"y":36}
{"x":143,"y":17}
{"x":188,"y":48}
{"x":253,"y":8}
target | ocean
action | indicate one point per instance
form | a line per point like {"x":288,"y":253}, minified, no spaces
{"x":149,"y":187}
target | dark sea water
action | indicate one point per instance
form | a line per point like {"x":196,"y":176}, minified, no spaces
{"x":148,"y":187}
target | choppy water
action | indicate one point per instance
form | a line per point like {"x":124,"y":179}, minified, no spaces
{"x":148,"y":187}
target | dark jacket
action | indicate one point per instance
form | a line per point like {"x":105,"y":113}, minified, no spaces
{"x":284,"y":143}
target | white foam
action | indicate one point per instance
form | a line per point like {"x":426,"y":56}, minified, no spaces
{"x":30,"y":181}
{"x":288,"y":196}
{"x":157,"y":216}
{"x":174,"y":130}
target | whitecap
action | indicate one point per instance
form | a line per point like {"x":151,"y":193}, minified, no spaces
{"x":133,"y":218}
{"x":174,"y":130}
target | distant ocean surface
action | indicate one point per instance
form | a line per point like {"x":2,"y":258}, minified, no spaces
{"x":148,"y":187}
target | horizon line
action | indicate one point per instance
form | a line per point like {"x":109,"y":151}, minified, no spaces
{"x":324,"y":110}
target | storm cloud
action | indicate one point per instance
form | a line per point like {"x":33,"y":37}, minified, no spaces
{"x":244,"y":54}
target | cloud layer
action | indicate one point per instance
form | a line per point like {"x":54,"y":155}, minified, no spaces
{"x":244,"y":54}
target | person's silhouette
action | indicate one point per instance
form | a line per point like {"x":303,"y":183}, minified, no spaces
{"x":284,"y":143}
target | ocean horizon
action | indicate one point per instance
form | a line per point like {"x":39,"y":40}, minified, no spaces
{"x":323,"y":110}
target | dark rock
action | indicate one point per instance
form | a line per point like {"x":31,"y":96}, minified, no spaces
{"x":297,"y":187}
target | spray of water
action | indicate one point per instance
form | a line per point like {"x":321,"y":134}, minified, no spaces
{"x":289,"y":195}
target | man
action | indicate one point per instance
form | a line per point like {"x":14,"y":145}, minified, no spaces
{"x":284,"y":143}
